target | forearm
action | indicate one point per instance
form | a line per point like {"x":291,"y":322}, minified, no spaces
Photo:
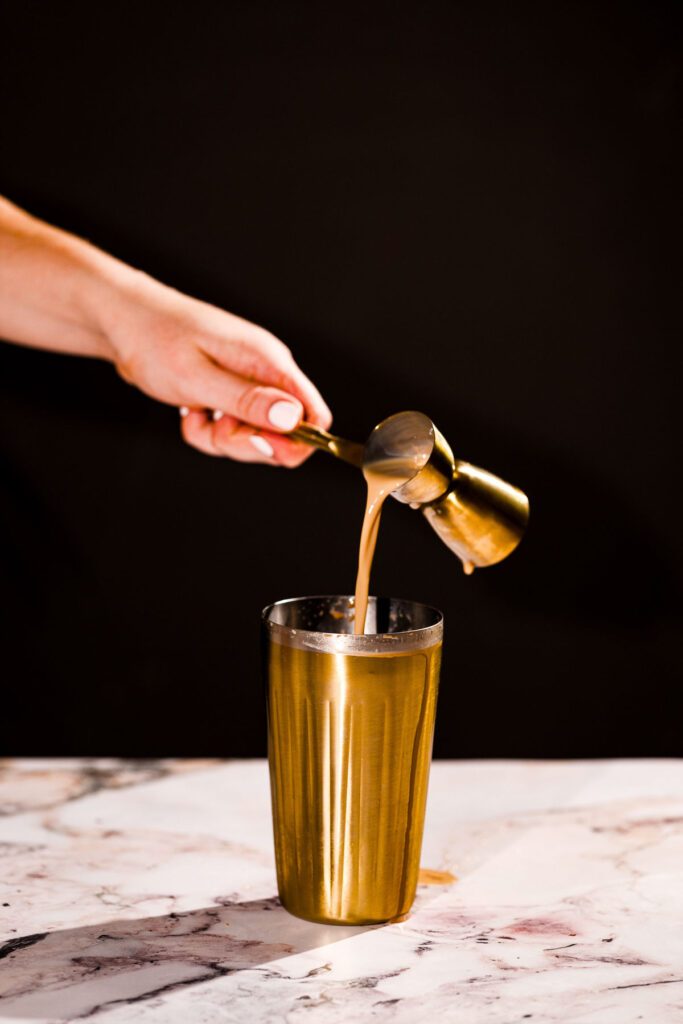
{"x":55,"y":289}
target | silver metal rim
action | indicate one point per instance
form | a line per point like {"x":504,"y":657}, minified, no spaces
{"x":367,"y":644}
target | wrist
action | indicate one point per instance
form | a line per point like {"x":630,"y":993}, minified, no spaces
{"x":109,"y":297}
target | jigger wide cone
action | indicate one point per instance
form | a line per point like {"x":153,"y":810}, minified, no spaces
{"x":481,"y":518}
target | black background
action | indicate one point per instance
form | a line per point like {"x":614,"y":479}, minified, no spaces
{"x":470,"y":210}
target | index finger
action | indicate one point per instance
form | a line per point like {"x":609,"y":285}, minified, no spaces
{"x":297,"y":383}
{"x":261,"y":357}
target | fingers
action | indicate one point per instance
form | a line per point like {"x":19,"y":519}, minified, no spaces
{"x":224,"y":435}
{"x":195,"y":426}
{"x":252,"y":379}
{"x":297,"y":383}
{"x":262,"y":357}
{"x":258,"y":404}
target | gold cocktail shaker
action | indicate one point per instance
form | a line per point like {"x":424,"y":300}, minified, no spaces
{"x":350,"y":727}
{"x":480,"y":517}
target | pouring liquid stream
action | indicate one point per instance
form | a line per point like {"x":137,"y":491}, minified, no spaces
{"x":382,"y":477}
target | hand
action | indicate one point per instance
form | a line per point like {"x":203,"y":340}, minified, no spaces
{"x":236,"y":385}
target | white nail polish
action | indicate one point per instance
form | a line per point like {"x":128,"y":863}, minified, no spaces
{"x":183,"y":410}
{"x":261,"y":445}
{"x":284,"y":415}
{"x":217,"y":415}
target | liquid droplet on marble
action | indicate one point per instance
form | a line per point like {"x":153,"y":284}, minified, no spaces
{"x":428,"y":876}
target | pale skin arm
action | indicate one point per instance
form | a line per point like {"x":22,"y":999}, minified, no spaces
{"x":237,"y":386}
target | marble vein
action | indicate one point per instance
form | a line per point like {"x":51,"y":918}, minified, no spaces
{"x":145,"y":891}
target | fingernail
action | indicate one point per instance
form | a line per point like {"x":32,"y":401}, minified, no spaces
{"x":284,"y":415}
{"x":261,"y":445}
{"x":217,"y":415}
{"x":183,"y":410}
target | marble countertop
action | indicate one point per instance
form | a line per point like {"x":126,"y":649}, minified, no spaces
{"x":145,"y":891}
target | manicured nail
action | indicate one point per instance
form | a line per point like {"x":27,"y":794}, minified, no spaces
{"x":183,"y":410}
{"x":284,"y":415}
{"x":217,"y":415}
{"x":261,"y":445}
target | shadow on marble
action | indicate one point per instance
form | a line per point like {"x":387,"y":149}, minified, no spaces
{"x":63,"y":975}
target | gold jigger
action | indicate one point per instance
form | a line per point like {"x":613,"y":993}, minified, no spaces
{"x":350,"y":726}
{"x":476,"y":514}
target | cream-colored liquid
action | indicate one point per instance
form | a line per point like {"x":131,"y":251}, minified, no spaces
{"x":429,"y":877}
{"x":382,"y":478}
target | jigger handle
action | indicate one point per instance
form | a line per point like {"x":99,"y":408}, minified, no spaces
{"x":347,"y":451}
